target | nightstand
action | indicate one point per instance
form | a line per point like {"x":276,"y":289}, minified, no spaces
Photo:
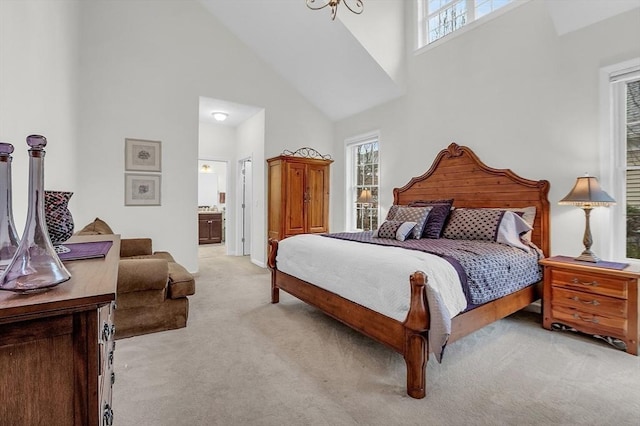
{"x":591,"y":299}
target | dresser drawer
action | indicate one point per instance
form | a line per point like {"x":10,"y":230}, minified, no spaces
{"x":589,"y":302}
{"x":589,"y":322}
{"x":591,"y":283}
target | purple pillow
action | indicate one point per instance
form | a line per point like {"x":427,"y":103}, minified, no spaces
{"x":437,"y":217}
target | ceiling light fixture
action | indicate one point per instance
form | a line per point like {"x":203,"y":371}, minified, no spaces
{"x":357,"y":8}
{"x":220,"y":116}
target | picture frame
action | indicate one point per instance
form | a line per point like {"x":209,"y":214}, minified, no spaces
{"x":142,"y":155}
{"x":142,"y":189}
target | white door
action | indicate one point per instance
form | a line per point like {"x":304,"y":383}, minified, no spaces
{"x":247,"y":197}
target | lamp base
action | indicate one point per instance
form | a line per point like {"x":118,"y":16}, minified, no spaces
{"x":588,"y":256}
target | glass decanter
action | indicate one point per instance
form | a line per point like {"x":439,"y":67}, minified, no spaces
{"x":8,"y":236}
{"x":35,"y":265}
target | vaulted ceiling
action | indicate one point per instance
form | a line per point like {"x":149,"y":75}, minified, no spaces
{"x":357,"y":61}
{"x":321,"y":58}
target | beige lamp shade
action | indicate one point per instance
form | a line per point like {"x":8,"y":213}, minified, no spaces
{"x":365,"y":197}
{"x":587,"y":193}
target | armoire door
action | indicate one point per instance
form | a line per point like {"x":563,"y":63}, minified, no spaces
{"x":295,"y":193}
{"x":317,"y":197}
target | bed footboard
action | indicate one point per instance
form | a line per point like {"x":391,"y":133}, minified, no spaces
{"x":271,"y":264}
{"x":408,"y":338}
{"x":416,"y":352}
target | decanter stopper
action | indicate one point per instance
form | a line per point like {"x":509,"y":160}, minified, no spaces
{"x":36,"y":142}
{"x":35,"y":265}
{"x":8,"y":236}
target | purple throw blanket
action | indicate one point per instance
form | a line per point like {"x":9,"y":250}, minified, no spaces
{"x":487,"y":270}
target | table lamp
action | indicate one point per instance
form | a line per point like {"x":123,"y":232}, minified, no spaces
{"x":587,"y":194}
{"x":365,"y":199}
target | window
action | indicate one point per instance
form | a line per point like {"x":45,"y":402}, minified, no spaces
{"x":362,"y":182}
{"x":437,"y":18}
{"x":625,"y":94}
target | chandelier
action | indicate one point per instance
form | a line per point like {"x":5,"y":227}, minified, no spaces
{"x":356,"y":8}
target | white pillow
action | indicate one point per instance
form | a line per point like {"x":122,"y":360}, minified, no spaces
{"x":405,"y":231}
{"x":511,"y":228}
{"x":526,"y":213}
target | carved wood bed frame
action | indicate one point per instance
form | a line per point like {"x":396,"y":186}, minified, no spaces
{"x":455,"y":173}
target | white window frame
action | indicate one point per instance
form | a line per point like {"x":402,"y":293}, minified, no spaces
{"x":421,"y":36}
{"x":350,"y":182}
{"x":613,"y":155}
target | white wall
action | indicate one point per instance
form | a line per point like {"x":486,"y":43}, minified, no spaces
{"x":381,"y":30}
{"x":216,"y":141}
{"x":144,"y":66}
{"x":38,"y":93}
{"x":515,"y":92}
{"x":251,"y":137}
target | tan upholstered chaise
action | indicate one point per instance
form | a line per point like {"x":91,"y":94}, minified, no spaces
{"x":152,"y":287}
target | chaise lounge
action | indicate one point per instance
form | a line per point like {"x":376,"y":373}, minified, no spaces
{"x":152,"y":287}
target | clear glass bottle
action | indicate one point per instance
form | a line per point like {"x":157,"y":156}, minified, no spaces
{"x":8,"y":236}
{"x":35,"y":265}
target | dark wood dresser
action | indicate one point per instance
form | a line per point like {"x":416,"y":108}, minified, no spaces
{"x":56,"y":347}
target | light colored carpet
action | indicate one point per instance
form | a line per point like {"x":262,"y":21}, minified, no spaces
{"x":244,"y":361}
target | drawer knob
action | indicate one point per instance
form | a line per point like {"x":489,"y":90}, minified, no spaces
{"x":593,"y":318}
{"x":593,"y":302}
{"x":107,"y":415}
{"x":587,"y":283}
{"x":106,"y":332}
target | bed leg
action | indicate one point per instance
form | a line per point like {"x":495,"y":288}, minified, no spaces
{"x":416,"y":357}
{"x":271,"y":264}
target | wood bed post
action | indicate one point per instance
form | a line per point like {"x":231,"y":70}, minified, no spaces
{"x":416,"y":351}
{"x":271,"y":264}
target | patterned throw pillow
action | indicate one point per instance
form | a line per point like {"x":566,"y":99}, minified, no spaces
{"x":502,"y":226}
{"x":473,"y":224}
{"x":392,"y":211}
{"x":439,"y":213}
{"x":394,"y":229}
{"x":418,"y":215}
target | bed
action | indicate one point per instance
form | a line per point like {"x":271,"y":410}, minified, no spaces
{"x":459,"y":174}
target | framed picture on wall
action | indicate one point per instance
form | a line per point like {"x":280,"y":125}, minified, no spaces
{"x":141,"y":189}
{"x":142,"y":155}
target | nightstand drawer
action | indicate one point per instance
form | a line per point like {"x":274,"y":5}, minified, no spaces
{"x":592,"y":283}
{"x":589,"y":302}
{"x":589,"y":322}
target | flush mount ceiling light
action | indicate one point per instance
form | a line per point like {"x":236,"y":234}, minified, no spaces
{"x":220,"y":116}
{"x":353,"y":5}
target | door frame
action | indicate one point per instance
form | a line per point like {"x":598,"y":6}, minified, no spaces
{"x":240,"y":219}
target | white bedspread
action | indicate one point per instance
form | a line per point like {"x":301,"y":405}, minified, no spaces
{"x":373,"y":276}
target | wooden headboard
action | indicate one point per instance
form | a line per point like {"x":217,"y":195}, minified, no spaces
{"x":458,"y":173}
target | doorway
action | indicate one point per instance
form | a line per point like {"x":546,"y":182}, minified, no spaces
{"x":212,"y":195}
{"x":245,"y":210}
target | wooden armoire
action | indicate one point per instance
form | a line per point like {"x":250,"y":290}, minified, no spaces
{"x":298,"y":199}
